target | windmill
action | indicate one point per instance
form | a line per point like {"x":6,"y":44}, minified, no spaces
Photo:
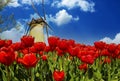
{"x":36,"y":26}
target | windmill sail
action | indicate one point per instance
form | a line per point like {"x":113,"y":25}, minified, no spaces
{"x":36,"y":25}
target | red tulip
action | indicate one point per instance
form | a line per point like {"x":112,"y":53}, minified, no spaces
{"x":25,"y":51}
{"x":44,"y":57}
{"x":59,"y":51}
{"x":28,"y":41}
{"x":41,"y":53}
{"x":83,"y":66}
{"x":71,"y":42}
{"x":107,"y":60}
{"x":16,"y":46}
{"x":29,"y":60}
{"x":117,"y":51}
{"x":7,"y":57}
{"x":112,"y":47}
{"x":32,"y":49}
{"x":87,"y":59}
{"x":47,"y":48}
{"x":73,"y":51}
{"x":58,"y":75}
{"x":2,"y":43}
{"x":8,"y":43}
{"x":105,"y":52}
{"x":53,"y":42}
{"x":39,"y":46}
{"x":100,"y":44}
{"x":62,"y":44}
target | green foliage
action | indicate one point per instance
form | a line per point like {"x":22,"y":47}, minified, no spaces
{"x":4,"y":3}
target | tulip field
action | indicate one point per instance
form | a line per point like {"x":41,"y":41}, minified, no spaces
{"x":60,"y":60}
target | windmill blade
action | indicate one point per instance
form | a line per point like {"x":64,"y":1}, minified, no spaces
{"x":47,"y":31}
{"x":43,"y":8}
{"x":11,"y":17}
{"x":26,"y":30}
{"x":1,"y":20}
{"x":47,"y":26}
{"x":33,"y":6}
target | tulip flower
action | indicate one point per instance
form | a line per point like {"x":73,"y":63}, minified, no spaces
{"x":44,"y":57}
{"x":7,"y":57}
{"x":16,"y":46}
{"x":2,"y":43}
{"x":99,"y":44}
{"x":29,"y":60}
{"x":83,"y":66}
{"x":58,"y":75}
{"x":39,"y":46}
{"x":53,"y":42}
{"x":62,"y":44}
{"x":27,"y":41}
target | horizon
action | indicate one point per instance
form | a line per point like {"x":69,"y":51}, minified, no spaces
{"x":84,"y":21}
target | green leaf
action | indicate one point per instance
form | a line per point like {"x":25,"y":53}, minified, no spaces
{"x":97,"y":75}
{"x":3,"y":75}
{"x":90,"y":73}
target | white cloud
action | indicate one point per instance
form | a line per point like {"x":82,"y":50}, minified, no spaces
{"x":28,"y":2}
{"x":62,"y":17}
{"x":84,"y":5}
{"x":65,"y":3}
{"x":14,"y":34}
{"x":76,"y":18}
{"x":109,"y":40}
{"x":14,"y":3}
{"x":17,"y":3}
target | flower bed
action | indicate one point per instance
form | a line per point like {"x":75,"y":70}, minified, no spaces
{"x":61,"y":60}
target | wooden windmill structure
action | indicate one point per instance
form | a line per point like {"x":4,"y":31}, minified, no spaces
{"x":36,"y":26}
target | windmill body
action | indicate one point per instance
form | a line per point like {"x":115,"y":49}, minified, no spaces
{"x":37,"y":25}
{"x":36,"y":30}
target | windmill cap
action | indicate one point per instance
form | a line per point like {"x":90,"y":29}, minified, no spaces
{"x":36,"y":21}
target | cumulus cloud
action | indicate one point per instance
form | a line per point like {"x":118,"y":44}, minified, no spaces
{"x":14,"y":3}
{"x":109,"y":40}
{"x":14,"y":34}
{"x":76,"y":18}
{"x":84,"y":5}
{"x":62,"y":17}
{"x":28,"y":2}
{"x":17,"y":3}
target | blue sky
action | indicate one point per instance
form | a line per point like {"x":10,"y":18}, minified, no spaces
{"x":85,"y":21}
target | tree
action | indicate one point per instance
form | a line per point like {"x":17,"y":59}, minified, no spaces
{"x":3,"y":3}
{"x":6,"y":21}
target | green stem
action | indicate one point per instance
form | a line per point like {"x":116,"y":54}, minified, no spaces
{"x":109,"y":74}
{"x":85,"y":77}
{"x":7,"y":73}
{"x":31,"y":74}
